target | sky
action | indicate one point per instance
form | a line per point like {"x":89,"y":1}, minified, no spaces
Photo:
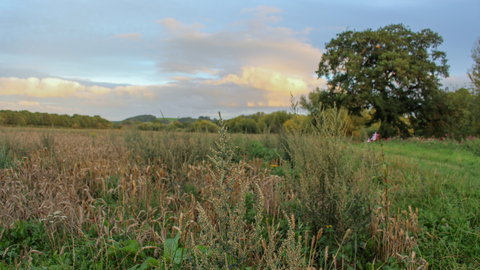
{"x":122,"y":58}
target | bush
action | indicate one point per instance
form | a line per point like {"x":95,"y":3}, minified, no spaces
{"x":205,"y":126}
{"x":331,"y":193}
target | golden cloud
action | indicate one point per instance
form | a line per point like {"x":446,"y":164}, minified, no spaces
{"x":29,"y":103}
{"x":265,"y":79}
{"x":98,"y":90}
{"x":34,"y":87}
{"x":54,"y":87}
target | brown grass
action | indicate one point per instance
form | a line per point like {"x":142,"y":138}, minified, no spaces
{"x":116,"y":184}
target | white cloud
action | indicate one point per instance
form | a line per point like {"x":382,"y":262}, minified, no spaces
{"x":34,"y":87}
{"x":251,"y":53}
{"x":456,"y":82}
{"x":98,"y":90}
{"x":250,"y":64}
{"x":28,"y":103}
{"x":134,"y":90}
{"x":54,"y":87}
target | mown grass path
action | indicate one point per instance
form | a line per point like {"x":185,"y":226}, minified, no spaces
{"x":442,"y":180}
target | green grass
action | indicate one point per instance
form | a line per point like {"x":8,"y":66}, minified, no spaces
{"x":441,"y":157}
{"x":442,"y":180}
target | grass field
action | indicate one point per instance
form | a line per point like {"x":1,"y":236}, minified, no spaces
{"x":155,"y":200}
{"x":442,"y":180}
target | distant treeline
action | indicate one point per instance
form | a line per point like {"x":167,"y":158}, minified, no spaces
{"x":26,"y":118}
{"x":456,"y":113}
{"x":254,"y":123}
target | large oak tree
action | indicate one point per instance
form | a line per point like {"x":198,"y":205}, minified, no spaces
{"x":393,"y":71}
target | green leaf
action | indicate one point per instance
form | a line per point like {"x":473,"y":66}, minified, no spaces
{"x":152,"y":261}
{"x":170,"y":248}
{"x":134,"y":267}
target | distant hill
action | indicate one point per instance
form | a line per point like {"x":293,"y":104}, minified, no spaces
{"x":169,"y":119}
{"x":187,"y":120}
{"x":142,"y":118}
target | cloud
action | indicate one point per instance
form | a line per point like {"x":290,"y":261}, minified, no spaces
{"x":456,"y":82}
{"x":34,"y":87}
{"x":252,"y":54}
{"x":134,"y":90}
{"x":175,"y":26}
{"x":98,"y":90}
{"x":250,"y":64}
{"x":29,"y":103}
{"x":54,"y":87}
{"x":265,"y":79}
{"x":132,"y":36}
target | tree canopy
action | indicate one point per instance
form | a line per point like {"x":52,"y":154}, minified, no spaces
{"x":24,"y":118}
{"x":392,"y":71}
{"x":474,"y":72}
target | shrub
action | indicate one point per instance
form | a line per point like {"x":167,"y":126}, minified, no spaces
{"x":330,"y":191}
{"x":205,"y":126}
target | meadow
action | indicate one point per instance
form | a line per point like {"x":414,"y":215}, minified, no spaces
{"x":131,"y":199}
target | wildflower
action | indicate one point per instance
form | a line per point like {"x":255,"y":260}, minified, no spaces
{"x":329,"y":226}
{"x":273,"y":165}
{"x":375,"y":137}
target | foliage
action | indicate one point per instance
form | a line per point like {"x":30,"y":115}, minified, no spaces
{"x":259,"y":122}
{"x":227,"y":239}
{"x":24,"y":118}
{"x":5,"y":160}
{"x":132,"y":200}
{"x":474,"y":71}
{"x":141,"y":118}
{"x":392,"y":70}
{"x":298,"y":123}
{"x":174,"y":149}
{"x":449,"y":113}
{"x":331,"y":193}
{"x":205,"y":126}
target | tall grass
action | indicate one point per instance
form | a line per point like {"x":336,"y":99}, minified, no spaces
{"x":145,"y":200}
{"x":331,"y":192}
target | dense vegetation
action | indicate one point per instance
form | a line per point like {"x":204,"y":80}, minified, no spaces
{"x":141,"y":118}
{"x":130,"y":198}
{"x":26,"y":118}
{"x":394,"y":73}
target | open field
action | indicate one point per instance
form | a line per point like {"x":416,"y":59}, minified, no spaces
{"x":108,"y":199}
